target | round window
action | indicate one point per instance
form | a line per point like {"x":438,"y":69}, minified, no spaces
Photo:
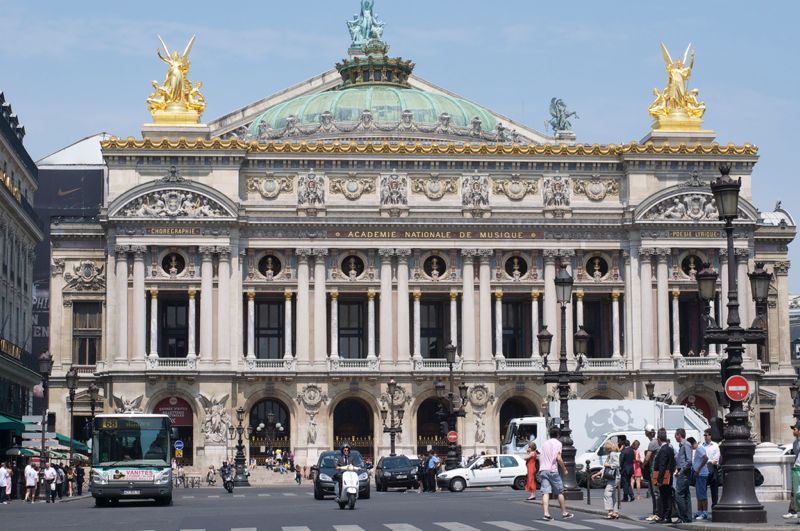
{"x":691,"y":264}
{"x":269,"y":265}
{"x":516,"y":266}
{"x":353,"y":266}
{"x":597,"y":267}
{"x":173,"y":264}
{"x":434,"y":266}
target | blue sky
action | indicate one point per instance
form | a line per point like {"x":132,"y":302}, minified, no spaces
{"x":71,"y":69}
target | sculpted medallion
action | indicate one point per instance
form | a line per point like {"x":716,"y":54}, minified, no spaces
{"x":352,"y":187}
{"x":270,"y":186}
{"x":86,"y":275}
{"x":433,"y":187}
{"x":596,"y":189}
{"x":515,"y":188}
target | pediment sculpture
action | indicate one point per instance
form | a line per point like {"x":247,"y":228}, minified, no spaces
{"x":173,"y":204}
{"x":86,"y":276}
{"x":694,"y":206}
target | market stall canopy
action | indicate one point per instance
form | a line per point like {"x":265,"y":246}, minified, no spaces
{"x":11,"y":423}
{"x":77,"y":445}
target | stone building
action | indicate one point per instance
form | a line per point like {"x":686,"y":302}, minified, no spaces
{"x":294,"y":255}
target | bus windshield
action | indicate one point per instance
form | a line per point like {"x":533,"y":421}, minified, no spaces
{"x":131,"y":441}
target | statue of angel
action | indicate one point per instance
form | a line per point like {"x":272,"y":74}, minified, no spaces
{"x":677,"y":96}
{"x":365,"y":26}
{"x":176,"y":89}
{"x":217,"y":419}
{"x":559,"y":120}
{"x":122,"y":405}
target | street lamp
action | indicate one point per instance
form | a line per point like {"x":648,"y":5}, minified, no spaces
{"x":72,"y":384}
{"x":239,"y":432}
{"x":45,"y":364}
{"x":395,"y":420}
{"x":738,"y":502}
{"x":94,"y":395}
{"x":650,"y":389}
{"x":759,"y":285}
{"x":270,"y":430}
{"x":563,"y":377}
{"x":448,"y":412}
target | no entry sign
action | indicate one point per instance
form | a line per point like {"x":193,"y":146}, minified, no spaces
{"x":737,"y":388}
{"x":452,"y":436}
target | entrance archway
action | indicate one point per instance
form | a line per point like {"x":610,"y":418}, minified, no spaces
{"x":182,"y":415}
{"x":352,"y":424}
{"x":514,"y":407}
{"x":271,"y":429}
{"x":698,"y":403}
{"x":429,"y":428}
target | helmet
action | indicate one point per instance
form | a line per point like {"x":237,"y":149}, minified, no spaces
{"x":344,"y":445}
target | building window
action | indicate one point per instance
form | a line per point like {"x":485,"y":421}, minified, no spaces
{"x":87,"y":331}
{"x":269,"y":329}
{"x":766,"y":432}
{"x":352,"y":328}
{"x":174,"y":329}
{"x":516,"y":329}
{"x":432,"y":329}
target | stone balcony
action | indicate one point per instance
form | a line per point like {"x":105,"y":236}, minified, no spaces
{"x":354,"y":364}
{"x":518,"y":364}
{"x":436,"y":364}
{"x":711,"y":363}
{"x":271,"y":365}
{"x":605,"y":364}
{"x":153,"y":363}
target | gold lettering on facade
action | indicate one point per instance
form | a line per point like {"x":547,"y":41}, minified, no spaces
{"x":694,"y":234}
{"x":173,"y":231}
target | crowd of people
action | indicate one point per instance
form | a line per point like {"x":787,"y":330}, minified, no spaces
{"x":60,"y":481}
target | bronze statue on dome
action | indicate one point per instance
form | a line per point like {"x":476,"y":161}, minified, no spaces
{"x":365,"y":26}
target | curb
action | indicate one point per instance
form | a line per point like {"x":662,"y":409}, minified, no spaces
{"x":74,"y":498}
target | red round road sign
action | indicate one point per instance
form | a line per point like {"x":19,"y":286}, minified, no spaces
{"x":452,"y":436}
{"x":737,"y":388}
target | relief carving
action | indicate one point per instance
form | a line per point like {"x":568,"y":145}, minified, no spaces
{"x":596,"y":189}
{"x":515,"y":188}
{"x":433,"y":187}
{"x":694,"y":206}
{"x":311,"y":189}
{"x":217,"y":419}
{"x":86,"y":276}
{"x":173,"y":203}
{"x":352,"y":187}
{"x":270,"y":186}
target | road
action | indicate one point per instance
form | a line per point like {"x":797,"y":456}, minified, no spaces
{"x":294,"y":509}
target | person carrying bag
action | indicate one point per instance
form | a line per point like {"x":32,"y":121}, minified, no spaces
{"x":610,"y":474}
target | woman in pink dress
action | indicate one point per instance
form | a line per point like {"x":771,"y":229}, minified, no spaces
{"x":531,"y":456}
{"x":636,"y":480}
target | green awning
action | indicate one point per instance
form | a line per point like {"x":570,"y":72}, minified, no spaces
{"x":25,"y":452}
{"x":77,"y":445}
{"x":11,"y":423}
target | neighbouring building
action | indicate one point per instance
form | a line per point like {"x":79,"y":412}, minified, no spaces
{"x":292,"y":256}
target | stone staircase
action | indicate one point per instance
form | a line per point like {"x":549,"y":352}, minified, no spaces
{"x":260,"y":476}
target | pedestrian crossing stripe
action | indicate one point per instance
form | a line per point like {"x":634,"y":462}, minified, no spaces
{"x":456,"y":526}
{"x":614,"y":523}
{"x":402,"y":527}
{"x":563,"y":524}
{"x":511,"y":526}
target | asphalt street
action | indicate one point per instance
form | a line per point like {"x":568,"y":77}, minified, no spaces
{"x":294,"y":509}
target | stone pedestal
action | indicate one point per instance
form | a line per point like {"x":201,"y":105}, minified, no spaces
{"x":175,"y":131}
{"x":777,"y":471}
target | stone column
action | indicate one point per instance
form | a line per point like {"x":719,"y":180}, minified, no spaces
{"x":454,"y":317}
{"x":335,"y":324}
{"x":206,"y":303}
{"x":371,"y":324}
{"x":139,"y":302}
{"x":646,"y":314}
{"x":251,"y":324}
{"x":191,"y":349}
{"x":110,"y":325}
{"x":498,"y":323}
{"x":632,"y":300}
{"x":386,"y":318}
{"x":534,"y":323}
{"x":121,"y":326}
{"x":223,"y":304}
{"x":468,"y":304}
{"x":287,"y":324}
{"x":320,"y":300}
{"x":579,"y":306}
{"x":676,"y":322}
{"x":303,"y":328}
{"x":550,"y":302}
{"x":154,"y":322}
{"x":615,"y":324}
{"x":403,"y":324}
{"x":662,"y":298}
{"x":781,"y":271}
{"x":723,"y":277}
{"x":417,"y":338}
{"x":743,"y":285}
{"x":484,"y":305}
{"x":712,"y":348}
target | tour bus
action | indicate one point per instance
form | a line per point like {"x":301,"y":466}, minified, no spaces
{"x":131,"y":456}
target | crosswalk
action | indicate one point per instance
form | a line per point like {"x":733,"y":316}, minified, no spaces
{"x":492,"y":525}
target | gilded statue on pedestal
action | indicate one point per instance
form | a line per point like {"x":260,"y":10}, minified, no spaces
{"x":177,"y":100}
{"x":677,"y":107}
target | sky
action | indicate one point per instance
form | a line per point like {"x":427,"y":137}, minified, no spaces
{"x":73,"y":69}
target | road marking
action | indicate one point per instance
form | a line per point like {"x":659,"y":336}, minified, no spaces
{"x":563,"y":524}
{"x":295,"y":528}
{"x":264,"y":495}
{"x":289,"y":493}
{"x":456,"y":526}
{"x":213,"y":496}
{"x":511,"y":526}
{"x":187,"y":497}
{"x":348,"y":528}
{"x":241,"y":496}
{"x":402,"y":527}
{"x":614,"y":523}
{"x":243,"y":529}
{"x":192,"y":530}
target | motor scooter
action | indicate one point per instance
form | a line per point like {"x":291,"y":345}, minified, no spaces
{"x":348,"y":493}
{"x":227,"y":480}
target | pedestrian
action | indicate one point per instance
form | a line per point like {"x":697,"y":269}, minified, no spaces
{"x":18,"y":487}
{"x":700,"y":471}
{"x":70,"y":481}
{"x":549,"y":461}
{"x":79,"y":475}
{"x":431,"y":468}
{"x":531,"y":455}
{"x":51,"y":482}
{"x":611,"y":474}
{"x":795,"y":472}
{"x":60,"y":477}
{"x":663,"y":470}
{"x":637,"y":469}
{"x":211,"y":476}
{"x":298,"y":475}
{"x":712,"y":450}
{"x":181,"y":478}
{"x":31,"y":478}
{"x":626,"y":461}
{"x":647,"y":469}
{"x":4,"y":483}
{"x":683,"y":474}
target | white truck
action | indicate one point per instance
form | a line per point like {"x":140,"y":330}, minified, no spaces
{"x":593,"y":422}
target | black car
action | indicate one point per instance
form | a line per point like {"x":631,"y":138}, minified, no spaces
{"x":396,"y":471}
{"x":325,"y":471}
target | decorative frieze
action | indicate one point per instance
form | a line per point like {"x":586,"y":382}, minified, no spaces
{"x":172,"y":204}
{"x":270,"y":186}
{"x":596,"y":189}
{"x":433,"y":187}
{"x":352,"y":187}
{"x":515,"y":188}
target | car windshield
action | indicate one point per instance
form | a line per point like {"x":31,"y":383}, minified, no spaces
{"x":329,"y":461}
{"x":597,"y":444}
{"x":396,"y":462}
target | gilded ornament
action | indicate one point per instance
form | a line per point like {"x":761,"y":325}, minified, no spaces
{"x":677,"y":108}
{"x":177,"y":100}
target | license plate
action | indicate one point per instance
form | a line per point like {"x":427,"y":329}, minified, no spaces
{"x":131,"y":492}
{"x":402,"y":476}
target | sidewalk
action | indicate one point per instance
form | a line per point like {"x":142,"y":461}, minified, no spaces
{"x":640,"y":509}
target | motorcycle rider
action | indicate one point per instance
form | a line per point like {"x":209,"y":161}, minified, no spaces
{"x":225,"y":471}
{"x":343,"y":460}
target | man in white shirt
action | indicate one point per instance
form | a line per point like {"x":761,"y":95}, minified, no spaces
{"x":50,"y":476}
{"x":712,"y":451}
{"x":31,"y":479}
{"x":3,"y":483}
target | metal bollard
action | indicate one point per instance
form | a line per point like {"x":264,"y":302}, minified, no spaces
{"x":588,"y":484}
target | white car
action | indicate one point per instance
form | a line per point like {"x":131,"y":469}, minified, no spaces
{"x":486,"y":471}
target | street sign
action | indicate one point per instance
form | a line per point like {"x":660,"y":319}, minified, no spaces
{"x":32,"y":419}
{"x":179,"y":445}
{"x":38,"y":435}
{"x":737,"y":388}
{"x":38,"y":444}
{"x":452,"y":436}
{"x":178,"y":453}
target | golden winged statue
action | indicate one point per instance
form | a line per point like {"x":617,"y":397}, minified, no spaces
{"x":176,"y":100}
{"x":677,"y":107}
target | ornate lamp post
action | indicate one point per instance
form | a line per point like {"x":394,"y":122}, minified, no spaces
{"x":240,"y":479}
{"x":94,"y":395}
{"x":650,"y":389}
{"x":72,"y":384}
{"x":45,"y":364}
{"x":564,"y":377}
{"x":395,"y":417}
{"x":448,"y":410}
{"x":270,"y":430}
{"x":738,"y":502}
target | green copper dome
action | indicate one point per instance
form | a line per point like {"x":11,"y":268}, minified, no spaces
{"x":386,"y":103}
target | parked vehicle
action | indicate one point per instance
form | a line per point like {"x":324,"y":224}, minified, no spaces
{"x":486,"y":471}
{"x":395,"y":472}
{"x":325,"y":471}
